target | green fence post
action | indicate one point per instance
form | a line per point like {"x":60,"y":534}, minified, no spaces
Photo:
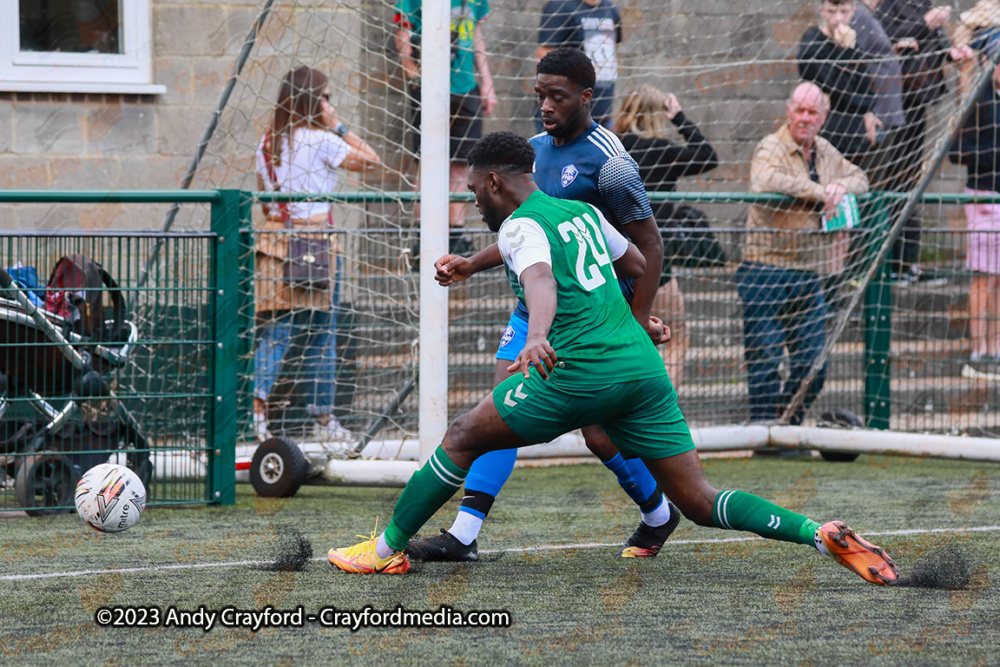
{"x":245,"y":315}
{"x":232,"y":207}
{"x":878,"y":332}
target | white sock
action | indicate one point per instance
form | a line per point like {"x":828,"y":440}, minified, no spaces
{"x":818,"y":542}
{"x":466,"y":527}
{"x":382,"y":548}
{"x":658,"y":516}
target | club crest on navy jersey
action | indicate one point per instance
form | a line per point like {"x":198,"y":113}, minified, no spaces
{"x":569,"y":174}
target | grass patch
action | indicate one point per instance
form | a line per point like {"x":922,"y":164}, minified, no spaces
{"x":702,"y":601}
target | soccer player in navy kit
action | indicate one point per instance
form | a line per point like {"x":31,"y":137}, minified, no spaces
{"x":575,"y":158}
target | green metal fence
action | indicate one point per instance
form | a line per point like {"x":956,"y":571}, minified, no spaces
{"x":168,"y":361}
{"x":898,"y":363}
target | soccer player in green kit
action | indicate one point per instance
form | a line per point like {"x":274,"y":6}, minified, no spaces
{"x":586,"y":361}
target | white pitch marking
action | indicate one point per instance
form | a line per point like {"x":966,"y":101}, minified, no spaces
{"x":154,"y":568}
{"x":541,"y":547}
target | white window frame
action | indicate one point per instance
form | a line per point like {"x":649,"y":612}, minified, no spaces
{"x":31,"y":71}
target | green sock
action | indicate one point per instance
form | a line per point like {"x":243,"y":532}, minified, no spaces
{"x":425,"y":493}
{"x":739,"y":510}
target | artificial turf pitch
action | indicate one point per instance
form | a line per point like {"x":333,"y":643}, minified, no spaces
{"x":704,"y":600}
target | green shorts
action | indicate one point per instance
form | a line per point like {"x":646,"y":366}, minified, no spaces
{"x":641,"y":417}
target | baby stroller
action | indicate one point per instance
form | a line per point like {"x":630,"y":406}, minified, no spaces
{"x":60,"y":354}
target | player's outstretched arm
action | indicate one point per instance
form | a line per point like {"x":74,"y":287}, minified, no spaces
{"x":540,"y":297}
{"x":630,"y":265}
{"x":455,"y":268}
{"x":646,"y":236}
{"x":622,"y":189}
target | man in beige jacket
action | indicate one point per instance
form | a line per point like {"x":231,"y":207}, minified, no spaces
{"x":787,"y":254}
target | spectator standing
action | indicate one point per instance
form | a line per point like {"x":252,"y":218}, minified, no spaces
{"x":470,"y":101}
{"x":916,"y":31}
{"x":978,"y":148}
{"x":594,"y":26}
{"x":978,"y":28}
{"x":828,"y":56}
{"x":787,"y":254}
{"x":301,"y":152}
{"x":885,"y":70}
{"x":887,"y":87}
{"x":641,"y":125}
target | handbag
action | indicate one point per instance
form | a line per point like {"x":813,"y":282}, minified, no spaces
{"x":308,"y":262}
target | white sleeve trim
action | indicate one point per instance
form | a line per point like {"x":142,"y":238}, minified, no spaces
{"x":617,"y":244}
{"x":523,"y":243}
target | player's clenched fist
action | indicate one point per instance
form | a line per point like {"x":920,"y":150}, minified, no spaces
{"x":452,"y":269}
{"x":658,"y":332}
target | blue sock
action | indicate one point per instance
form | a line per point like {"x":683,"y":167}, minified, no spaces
{"x":633,"y":477}
{"x":486,"y":477}
{"x":490,"y":471}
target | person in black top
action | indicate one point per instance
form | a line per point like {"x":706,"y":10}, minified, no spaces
{"x":828,"y":56}
{"x":918,"y":37}
{"x":642,"y":124}
{"x":594,"y":27}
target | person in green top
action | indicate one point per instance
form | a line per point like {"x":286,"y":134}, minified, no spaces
{"x":469,"y":102}
{"x":586,"y":361}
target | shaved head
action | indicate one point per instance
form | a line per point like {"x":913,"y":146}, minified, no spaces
{"x":811,"y":94}
{"x":806,"y":110}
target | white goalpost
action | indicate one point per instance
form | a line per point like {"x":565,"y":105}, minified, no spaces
{"x":436,"y":48}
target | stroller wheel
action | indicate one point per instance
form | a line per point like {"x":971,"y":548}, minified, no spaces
{"x":278,"y":468}
{"x":46,"y":483}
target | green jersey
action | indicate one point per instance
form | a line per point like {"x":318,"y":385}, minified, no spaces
{"x":593,"y":332}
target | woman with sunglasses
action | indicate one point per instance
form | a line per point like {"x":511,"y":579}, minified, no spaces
{"x":301,"y":152}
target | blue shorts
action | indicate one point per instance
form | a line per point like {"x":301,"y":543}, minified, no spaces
{"x":514,"y":338}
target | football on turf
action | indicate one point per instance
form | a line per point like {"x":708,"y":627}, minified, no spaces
{"x":110,"y":498}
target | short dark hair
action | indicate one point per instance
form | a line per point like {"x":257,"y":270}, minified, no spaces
{"x":503,"y":151}
{"x":570,"y":63}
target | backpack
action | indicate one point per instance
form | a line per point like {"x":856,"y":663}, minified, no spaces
{"x":688,"y":240}
{"x":76,"y":292}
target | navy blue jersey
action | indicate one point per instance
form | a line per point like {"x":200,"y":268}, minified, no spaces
{"x":597,"y":169}
{"x":594,"y":168}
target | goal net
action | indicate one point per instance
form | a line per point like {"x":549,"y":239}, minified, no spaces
{"x":775,"y":317}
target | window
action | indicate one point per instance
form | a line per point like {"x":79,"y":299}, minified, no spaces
{"x":76,"y":46}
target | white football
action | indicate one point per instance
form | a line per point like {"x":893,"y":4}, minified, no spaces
{"x":110,"y":498}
